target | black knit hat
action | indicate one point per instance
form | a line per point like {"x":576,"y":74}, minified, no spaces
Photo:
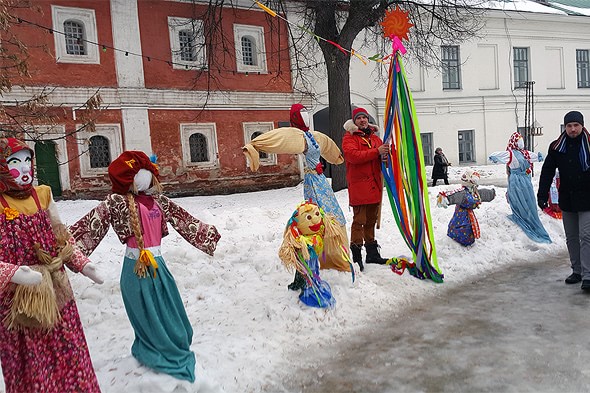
{"x":573,"y":117}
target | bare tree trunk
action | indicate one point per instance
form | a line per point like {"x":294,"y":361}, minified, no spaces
{"x":339,"y":98}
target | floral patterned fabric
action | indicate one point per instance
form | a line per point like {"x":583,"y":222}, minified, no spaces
{"x":35,"y":360}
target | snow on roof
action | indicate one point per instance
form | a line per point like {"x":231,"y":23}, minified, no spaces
{"x":523,"y":6}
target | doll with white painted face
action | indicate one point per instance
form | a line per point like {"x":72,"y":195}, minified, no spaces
{"x":139,"y":213}
{"x":520,"y":193}
{"x":307,"y":231}
{"x":42,"y":343}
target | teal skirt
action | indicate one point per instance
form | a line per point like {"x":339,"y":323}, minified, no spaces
{"x":163,"y":333}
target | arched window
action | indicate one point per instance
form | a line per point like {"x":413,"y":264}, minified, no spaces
{"x":99,"y":151}
{"x":260,"y":154}
{"x":198,"y":147}
{"x":75,"y":38}
{"x":248,"y":51}
{"x":188,"y":49}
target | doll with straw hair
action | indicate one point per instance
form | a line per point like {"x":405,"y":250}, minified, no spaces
{"x":308,"y":232}
{"x":139,"y":213}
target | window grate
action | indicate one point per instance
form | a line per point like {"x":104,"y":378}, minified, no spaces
{"x":188,"y":50}
{"x":75,"y":40}
{"x":198,"y":147}
{"x":100,"y":152}
{"x":583,"y":67}
{"x":248,"y":48}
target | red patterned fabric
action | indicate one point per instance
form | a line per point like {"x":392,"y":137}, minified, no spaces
{"x":512,"y":145}
{"x":34,"y":360}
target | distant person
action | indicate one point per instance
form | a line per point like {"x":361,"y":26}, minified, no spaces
{"x":441,"y":167}
{"x":521,"y":194}
{"x":570,"y":153}
{"x":362,"y":150}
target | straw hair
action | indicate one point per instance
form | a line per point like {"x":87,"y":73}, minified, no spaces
{"x":38,"y":306}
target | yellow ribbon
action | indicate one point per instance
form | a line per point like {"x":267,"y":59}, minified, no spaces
{"x":147,"y":259}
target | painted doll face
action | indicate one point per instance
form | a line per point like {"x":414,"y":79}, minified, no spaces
{"x":20,"y":167}
{"x":309,"y":219}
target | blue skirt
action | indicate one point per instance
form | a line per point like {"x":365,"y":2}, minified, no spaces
{"x":163,"y":333}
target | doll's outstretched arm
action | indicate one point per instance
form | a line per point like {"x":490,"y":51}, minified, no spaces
{"x":200,"y":235}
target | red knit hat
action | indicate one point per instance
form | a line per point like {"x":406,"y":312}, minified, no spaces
{"x":359,"y":111}
{"x":122,"y":171}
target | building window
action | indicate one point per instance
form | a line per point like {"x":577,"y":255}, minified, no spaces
{"x":521,"y":67}
{"x":75,"y":35}
{"x":99,"y":151}
{"x":427,"y":147}
{"x":97,"y":148}
{"x":75,"y":38}
{"x":251,"y":131}
{"x":583,"y":67}
{"x":250,"y":53}
{"x":187,"y":42}
{"x":199,"y":145}
{"x":451,"y":67}
{"x":466,"y":148}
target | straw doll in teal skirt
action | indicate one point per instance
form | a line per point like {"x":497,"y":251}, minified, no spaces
{"x":139,"y":214}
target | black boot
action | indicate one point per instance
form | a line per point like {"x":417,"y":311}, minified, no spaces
{"x":357,"y":255}
{"x":298,"y":282}
{"x":373,"y":255}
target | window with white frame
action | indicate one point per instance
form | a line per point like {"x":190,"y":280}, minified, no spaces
{"x":250,"y":49}
{"x":187,"y":41}
{"x":98,"y":148}
{"x":199,"y":145}
{"x":451,"y":67}
{"x":427,"y":147}
{"x":521,"y":67}
{"x":583,"y":67}
{"x":75,"y":35}
{"x":254,"y":129}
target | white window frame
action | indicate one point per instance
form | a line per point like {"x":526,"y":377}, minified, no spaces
{"x":210,"y":132}
{"x":256,"y":33}
{"x":175,"y":25}
{"x":87,"y":18}
{"x":110,"y":131}
{"x":252,"y":127}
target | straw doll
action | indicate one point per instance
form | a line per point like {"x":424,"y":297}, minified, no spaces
{"x":139,"y":213}
{"x":520,"y":193}
{"x":303,"y":242}
{"x":298,"y":139}
{"x":463,"y":227}
{"x":42,"y":343}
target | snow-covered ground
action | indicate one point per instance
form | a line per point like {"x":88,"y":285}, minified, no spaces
{"x":248,"y":326}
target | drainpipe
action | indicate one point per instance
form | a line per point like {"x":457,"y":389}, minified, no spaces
{"x":485,"y":129}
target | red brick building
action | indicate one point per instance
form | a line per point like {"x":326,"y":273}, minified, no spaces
{"x":167,"y":88}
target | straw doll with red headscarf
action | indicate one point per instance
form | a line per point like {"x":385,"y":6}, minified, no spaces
{"x":42,"y":343}
{"x":299,"y":139}
{"x":139,"y":213}
{"x":520,"y":193}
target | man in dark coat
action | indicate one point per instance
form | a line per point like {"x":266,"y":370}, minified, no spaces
{"x":570,"y":153}
{"x":440,"y":168}
{"x":362,"y":150}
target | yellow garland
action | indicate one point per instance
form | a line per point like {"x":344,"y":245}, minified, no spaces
{"x":11,"y":213}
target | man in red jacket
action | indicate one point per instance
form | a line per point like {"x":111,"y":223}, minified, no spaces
{"x":362,"y":150}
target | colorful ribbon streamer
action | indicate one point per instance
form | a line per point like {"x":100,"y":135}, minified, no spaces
{"x":405,"y":175}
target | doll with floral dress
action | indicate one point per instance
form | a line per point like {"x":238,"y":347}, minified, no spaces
{"x":463,"y":227}
{"x":139,"y":213}
{"x":42,"y":343}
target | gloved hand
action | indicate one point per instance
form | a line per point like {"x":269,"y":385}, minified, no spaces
{"x":540,"y":157}
{"x":26,"y":276}
{"x":542,"y":203}
{"x":91,"y":272}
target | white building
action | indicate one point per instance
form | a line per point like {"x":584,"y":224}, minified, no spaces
{"x":472,"y":108}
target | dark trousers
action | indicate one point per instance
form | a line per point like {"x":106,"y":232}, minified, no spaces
{"x":446,"y":179}
{"x":362,"y":230}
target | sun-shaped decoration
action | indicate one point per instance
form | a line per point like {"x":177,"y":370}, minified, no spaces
{"x":396,"y":24}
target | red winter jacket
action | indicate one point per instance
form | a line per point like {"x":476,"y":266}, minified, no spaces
{"x":363,"y":165}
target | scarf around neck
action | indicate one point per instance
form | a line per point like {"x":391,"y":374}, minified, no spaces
{"x":561,"y":143}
